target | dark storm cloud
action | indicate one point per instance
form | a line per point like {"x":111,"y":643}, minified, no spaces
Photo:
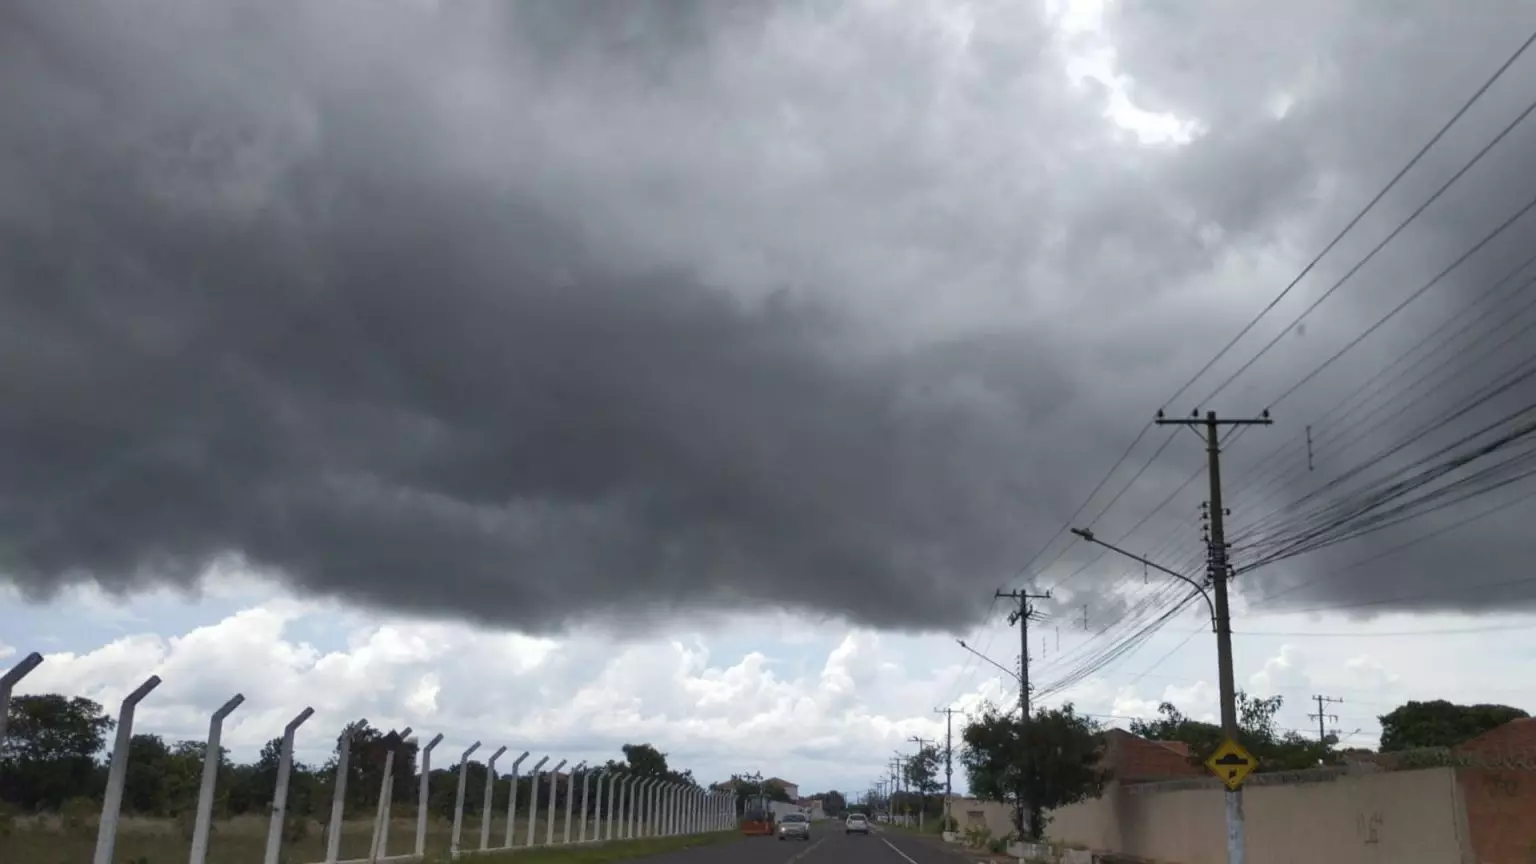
{"x":409,"y":390}
{"x":598,"y":309}
{"x":1365,"y":89}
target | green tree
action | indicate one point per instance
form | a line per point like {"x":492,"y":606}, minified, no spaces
{"x":644,"y":760}
{"x":1440,"y":724}
{"x":833,"y":803}
{"x":922,"y":769}
{"x":1060,"y":766}
{"x":1258,"y":732}
{"x":50,"y":750}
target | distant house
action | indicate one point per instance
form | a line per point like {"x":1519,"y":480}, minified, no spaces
{"x":791,"y":790}
{"x":1134,"y":759}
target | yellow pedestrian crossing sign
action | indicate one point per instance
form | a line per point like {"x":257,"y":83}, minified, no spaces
{"x":1231,"y":763}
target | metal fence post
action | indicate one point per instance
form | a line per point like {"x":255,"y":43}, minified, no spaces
{"x":570,"y":800}
{"x":8,"y":683}
{"x":490,"y":791}
{"x":632,"y":813}
{"x":533,"y":802}
{"x":379,"y":846}
{"x":279,"y":806}
{"x":637,"y":794}
{"x":554,"y":786}
{"x":424,"y":795}
{"x":213,"y":756}
{"x":338,"y":797}
{"x":614,"y":780}
{"x":512,"y":800}
{"x":117,"y":774}
{"x":637,"y":805}
{"x":586,"y":815}
{"x":653,"y":789}
{"x":659,"y":823}
{"x":458,"y":801}
{"x":595,"y":817}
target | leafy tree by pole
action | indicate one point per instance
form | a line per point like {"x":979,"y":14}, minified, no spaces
{"x":1440,"y":724}
{"x":1276,"y":750}
{"x":1065,"y":751}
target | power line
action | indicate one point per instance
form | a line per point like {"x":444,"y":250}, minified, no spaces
{"x":1489,"y":238}
{"x":1380,"y":634}
{"x":1403,"y":225}
{"x":1402,"y":172}
{"x":1366,"y":393}
{"x":1393,"y":550}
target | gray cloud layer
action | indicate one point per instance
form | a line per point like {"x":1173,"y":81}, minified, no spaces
{"x":608,"y":310}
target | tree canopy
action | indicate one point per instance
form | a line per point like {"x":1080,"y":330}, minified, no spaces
{"x":1440,"y":724}
{"x":1061,"y":766}
{"x":922,"y":771}
{"x":833,"y":803}
{"x":644,"y":760}
{"x":1257,"y":731}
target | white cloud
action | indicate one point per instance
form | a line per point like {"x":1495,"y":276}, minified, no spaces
{"x":830,"y":719}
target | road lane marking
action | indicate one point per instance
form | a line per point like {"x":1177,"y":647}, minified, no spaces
{"x":897,"y":851}
{"x":807,"y":850}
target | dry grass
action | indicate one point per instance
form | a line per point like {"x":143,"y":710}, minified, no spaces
{"x":242,"y":840}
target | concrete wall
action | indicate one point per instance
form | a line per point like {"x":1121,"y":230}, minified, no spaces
{"x":996,"y":818}
{"x":1320,"y":817}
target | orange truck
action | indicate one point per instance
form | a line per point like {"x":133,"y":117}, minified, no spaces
{"x":757,"y":817}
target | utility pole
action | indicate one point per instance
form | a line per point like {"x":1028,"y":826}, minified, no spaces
{"x":1021,"y":617}
{"x":1218,"y":572}
{"x":1322,"y":715}
{"x":949,"y":750}
{"x":921,"y":759}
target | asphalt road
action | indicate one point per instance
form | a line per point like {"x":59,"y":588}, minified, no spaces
{"x":828,"y":845}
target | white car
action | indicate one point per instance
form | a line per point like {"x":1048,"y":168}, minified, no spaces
{"x":794,"y":825}
{"x":856,"y":824}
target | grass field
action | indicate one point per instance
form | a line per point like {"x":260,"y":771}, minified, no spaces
{"x":242,"y":840}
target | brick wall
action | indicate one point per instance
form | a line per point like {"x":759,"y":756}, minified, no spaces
{"x":1497,"y":774}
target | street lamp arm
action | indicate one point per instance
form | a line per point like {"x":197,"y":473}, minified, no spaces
{"x":1087,"y":534}
{"x":1012,"y":674}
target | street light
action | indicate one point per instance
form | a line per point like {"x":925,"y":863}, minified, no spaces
{"x":1011,"y":674}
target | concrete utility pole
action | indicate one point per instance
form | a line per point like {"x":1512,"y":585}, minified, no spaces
{"x":949,"y":754}
{"x":1322,"y":715}
{"x":921,"y":759}
{"x":1021,"y":616}
{"x":1218,"y":572}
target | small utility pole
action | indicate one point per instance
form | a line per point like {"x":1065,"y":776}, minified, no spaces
{"x":921,"y":759}
{"x":1322,"y":715}
{"x":949,"y":750}
{"x":1021,"y":617}
{"x":1218,"y":572}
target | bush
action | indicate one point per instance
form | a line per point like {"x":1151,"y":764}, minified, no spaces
{"x":79,"y":815}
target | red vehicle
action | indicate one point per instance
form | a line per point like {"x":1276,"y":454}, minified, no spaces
{"x":757,"y":818}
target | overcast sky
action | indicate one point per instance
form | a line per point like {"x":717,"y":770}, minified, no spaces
{"x":558,"y":323}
